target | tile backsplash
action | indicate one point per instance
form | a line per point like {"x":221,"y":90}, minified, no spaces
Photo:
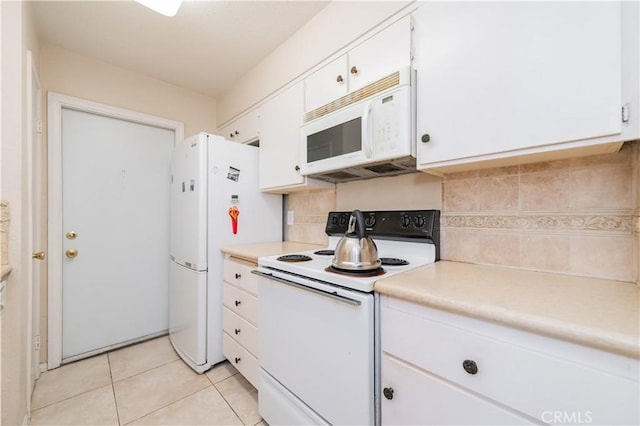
{"x":579,"y":216}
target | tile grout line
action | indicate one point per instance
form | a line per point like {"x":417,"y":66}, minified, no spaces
{"x":229,"y":404}
{"x":169,"y":404}
{"x":144,"y":371}
{"x":113,"y":389}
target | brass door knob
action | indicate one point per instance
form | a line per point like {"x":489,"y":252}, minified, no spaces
{"x":38,"y":255}
{"x":71,"y":253}
{"x":71,"y":235}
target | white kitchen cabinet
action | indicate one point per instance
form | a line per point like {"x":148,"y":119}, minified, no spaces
{"x":443,"y":368}
{"x":500,"y":80}
{"x":240,"y":318}
{"x":244,"y":129}
{"x":280,"y":119}
{"x":377,"y":57}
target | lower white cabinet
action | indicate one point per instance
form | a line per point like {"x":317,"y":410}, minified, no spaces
{"x":442,"y":368}
{"x":240,"y":318}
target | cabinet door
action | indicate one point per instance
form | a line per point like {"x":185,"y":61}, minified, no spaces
{"x":280,"y":139}
{"x":325,"y":85}
{"x":242,"y":130}
{"x":501,"y":76}
{"x":381,"y":55}
{"x":420,"y":398}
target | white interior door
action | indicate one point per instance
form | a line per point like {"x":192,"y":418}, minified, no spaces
{"x":115,"y":226}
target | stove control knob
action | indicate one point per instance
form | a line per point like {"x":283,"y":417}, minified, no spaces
{"x":369,"y":221}
{"x":419,"y":222}
{"x":343,"y":220}
{"x":405,"y":221}
{"x":388,"y":393}
{"x":334,"y":220}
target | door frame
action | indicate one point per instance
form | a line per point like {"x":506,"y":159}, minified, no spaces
{"x":33,"y":225}
{"x":56,"y":103}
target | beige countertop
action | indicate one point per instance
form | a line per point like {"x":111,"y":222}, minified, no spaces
{"x":252,"y":252}
{"x":6,"y":270}
{"x":594,"y":312}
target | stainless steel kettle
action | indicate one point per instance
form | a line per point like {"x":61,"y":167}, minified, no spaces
{"x":355,"y":251}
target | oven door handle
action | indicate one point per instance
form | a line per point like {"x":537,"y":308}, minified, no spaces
{"x":335,"y":295}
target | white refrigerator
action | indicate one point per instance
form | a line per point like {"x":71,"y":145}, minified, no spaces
{"x":212,"y":179}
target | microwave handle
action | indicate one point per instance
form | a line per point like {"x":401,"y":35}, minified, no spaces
{"x":367,"y":136}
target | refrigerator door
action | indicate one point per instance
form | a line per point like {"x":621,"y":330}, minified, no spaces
{"x":188,"y":315}
{"x":188,"y":234}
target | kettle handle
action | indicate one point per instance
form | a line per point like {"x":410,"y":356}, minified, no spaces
{"x":359,"y":223}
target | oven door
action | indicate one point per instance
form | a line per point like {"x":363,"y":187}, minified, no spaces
{"x":316,"y":352}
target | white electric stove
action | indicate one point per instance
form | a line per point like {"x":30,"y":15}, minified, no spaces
{"x":319,"y":329}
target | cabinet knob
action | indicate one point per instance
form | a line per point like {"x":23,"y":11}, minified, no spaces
{"x":236,"y":132}
{"x":236,"y":331}
{"x":388,"y":392}
{"x":237,"y":360}
{"x":354,"y":70}
{"x":425,"y":138}
{"x":470,"y":366}
{"x":339,"y":79}
{"x":297,"y":168}
{"x":238,"y":276}
{"x":230,"y":135}
{"x":238,"y":303}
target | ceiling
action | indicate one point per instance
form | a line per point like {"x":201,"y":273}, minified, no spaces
{"x":206,"y":47}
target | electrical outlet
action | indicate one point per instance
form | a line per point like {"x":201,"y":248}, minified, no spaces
{"x":36,"y":343}
{"x":289,"y":217}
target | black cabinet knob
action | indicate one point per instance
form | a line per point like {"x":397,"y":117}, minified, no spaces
{"x":230,"y":135}
{"x":237,"y":360}
{"x":470,"y":366}
{"x":339,"y":79}
{"x":238,"y":303}
{"x":425,"y":138}
{"x":354,"y":70}
{"x":297,"y":168}
{"x":238,"y":276}
{"x":388,"y":393}
{"x":236,"y":331}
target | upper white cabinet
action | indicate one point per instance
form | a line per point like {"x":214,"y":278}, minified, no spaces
{"x":375,"y":58}
{"x":506,"y":79}
{"x":280,"y":119}
{"x":244,"y":129}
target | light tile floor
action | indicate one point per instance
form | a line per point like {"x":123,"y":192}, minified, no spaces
{"x":144,"y":384}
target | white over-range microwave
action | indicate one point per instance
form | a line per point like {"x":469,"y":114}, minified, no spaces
{"x":368,"y":133}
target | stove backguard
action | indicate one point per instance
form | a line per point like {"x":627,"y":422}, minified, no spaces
{"x":417,"y":226}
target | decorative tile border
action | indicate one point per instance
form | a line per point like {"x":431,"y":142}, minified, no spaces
{"x":607,"y":223}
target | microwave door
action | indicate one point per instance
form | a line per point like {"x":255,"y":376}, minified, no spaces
{"x":336,"y":141}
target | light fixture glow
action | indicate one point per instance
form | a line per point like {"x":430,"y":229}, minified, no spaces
{"x":164,"y":7}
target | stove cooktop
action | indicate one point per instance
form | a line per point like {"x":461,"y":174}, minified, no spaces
{"x":405,"y":240}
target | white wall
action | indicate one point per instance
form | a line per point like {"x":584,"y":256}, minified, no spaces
{"x":18,"y":36}
{"x":327,"y":33}
{"x":76,"y":75}
{"x":70,"y":73}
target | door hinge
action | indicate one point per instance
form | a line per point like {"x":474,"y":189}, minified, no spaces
{"x":36,"y":343}
{"x":625,"y":113}
{"x":39,"y":126}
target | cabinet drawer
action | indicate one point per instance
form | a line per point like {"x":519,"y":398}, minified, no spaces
{"x":527,"y":377}
{"x":418,"y":397}
{"x":241,"y":303}
{"x":240,"y":330}
{"x":240,"y":275}
{"x":241,"y":359}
